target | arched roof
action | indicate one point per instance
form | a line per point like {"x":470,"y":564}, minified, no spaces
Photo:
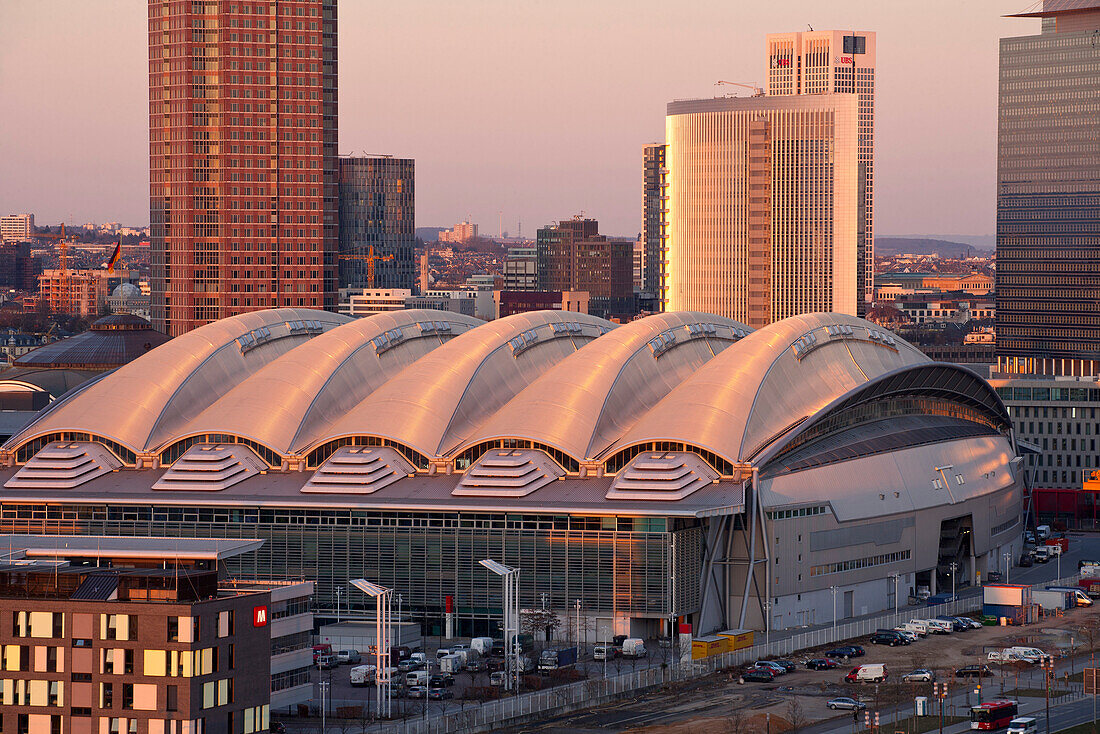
{"x":745,"y":397}
{"x":110,"y":342}
{"x":56,"y":382}
{"x":144,"y":403}
{"x":587,"y":401}
{"x":304,"y":391}
{"x":438,"y":401}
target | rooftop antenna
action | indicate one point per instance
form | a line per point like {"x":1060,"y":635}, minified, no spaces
{"x":810,"y":27}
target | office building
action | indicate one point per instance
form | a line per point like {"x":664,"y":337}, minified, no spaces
{"x":16,"y":227}
{"x":406,"y":446}
{"x":1048,"y":195}
{"x":377,"y":222}
{"x":654,"y":209}
{"x":574,"y":256}
{"x":242,"y":158}
{"x":19,"y":270}
{"x":521,"y":269}
{"x":836,"y":62}
{"x":367,"y":301}
{"x":137,"y":635}
{"x":513,"y":302}
{"x":764,"y":206}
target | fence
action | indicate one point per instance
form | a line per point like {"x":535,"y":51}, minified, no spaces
{"x":596,"y":691}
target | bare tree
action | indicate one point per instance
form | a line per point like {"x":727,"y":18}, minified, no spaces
{"x":536,"y":622}
{"x":795,"y":714}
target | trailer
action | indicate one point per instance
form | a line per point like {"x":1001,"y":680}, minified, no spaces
{"x":1015,"y":595}
{"x":555,"y":659}
{"x":1054,"y":600}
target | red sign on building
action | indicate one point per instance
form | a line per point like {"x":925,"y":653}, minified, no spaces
{"x":259,"y":616}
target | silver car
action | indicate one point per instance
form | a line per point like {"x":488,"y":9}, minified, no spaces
{"x":920,"y":675}
{"x":845,"y":703}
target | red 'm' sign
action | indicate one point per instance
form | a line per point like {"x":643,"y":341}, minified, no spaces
{"x":259,"y":616}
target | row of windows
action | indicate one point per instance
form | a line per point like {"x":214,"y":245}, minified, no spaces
{"x":798,"y":512}
{"x":1005,"y":526}
{"x":1046,"y":394}
{"x":858,"y":563}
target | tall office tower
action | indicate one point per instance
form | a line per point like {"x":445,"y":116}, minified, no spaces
{"x":653,"y":219}
{"x":836,"y":62}
{"x":16,"y":227}
{"x":1048,"y":195}
{"x":521,"y":269}
{"x":377,"y":222}
{"x":574,"y":256}
{"x":242,"y":158}
{"x":763,"y":219}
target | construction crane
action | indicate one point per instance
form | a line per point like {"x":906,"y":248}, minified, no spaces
{"x":756,"y":91}
{"x":64,"y":300}
{"x":370,"y":258}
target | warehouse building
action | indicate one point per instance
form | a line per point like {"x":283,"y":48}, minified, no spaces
{"x":681,"y":467}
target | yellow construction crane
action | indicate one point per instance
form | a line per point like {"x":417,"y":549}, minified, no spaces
{"x":756,"y":91}
{"x":370,"y":258}
{"x":64,"y":299}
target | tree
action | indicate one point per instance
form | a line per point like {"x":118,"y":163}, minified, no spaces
{"x":795,"y":715}
{"x":534,"y":621}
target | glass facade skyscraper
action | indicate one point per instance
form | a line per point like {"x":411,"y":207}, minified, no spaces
{"x":654,"y":206}
{"x":377,"y":222}
{"x":1048,"y":195}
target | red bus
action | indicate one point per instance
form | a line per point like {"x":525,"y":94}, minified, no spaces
{"x":993,"y":715}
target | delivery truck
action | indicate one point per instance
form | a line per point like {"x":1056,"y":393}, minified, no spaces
{"x":555,"y":659}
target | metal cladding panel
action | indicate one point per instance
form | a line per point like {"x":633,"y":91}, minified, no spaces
{"x":743,"y":398}
{"x":1006,"y":595}
{"x":865,"y":488}
{"x":143,"y":403}
{"x":308,"y":388}
{"x":589,"y":399}
{"x":439,"y":400}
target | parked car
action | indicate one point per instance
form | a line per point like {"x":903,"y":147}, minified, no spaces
{"x":971,"y":622}
{"x":822,"y":664}
{"x":407,"y":666}
{"x":845,"y":652}
{"x":788,"y":665}
{"x":758,"y":675}
{"x":348,"y":657}
{"x":995,"y":577}
{"x":497,"y":678}
{"x":774,"y":668}
{"x":893,"y":639}
{"x":439,"y":694}
{"x":1025,"y":561}
{"x":440,"y":680}
{"x":845,"y":703}
{"x":416,"y":691}
{"x":974,"y":671}
{"x":475,"y":666}
{"x":920,"y":675}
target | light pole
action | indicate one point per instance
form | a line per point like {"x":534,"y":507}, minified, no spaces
{"x":1008,"y":565}
{"x":510,"y":579}
{"x":383,"y":600}
{"x":1048,"y":673}
{"x":767,"y":625}
{"x":896,"y":577}
{"x":339,"y":596}
{"x":833,"y":588}
{"x":578,"y":605}
{"x":954,"y":568}
{"x":324,"y":688}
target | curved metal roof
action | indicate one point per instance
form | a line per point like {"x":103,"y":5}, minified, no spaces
{"x":110,"y":342}
{"x":144,"y":403}
{"x":745,"y":397}
{"x":587,"y":401}
{"x":56,"y":382}
{"x":438,"y":401}
{"x":307,"y":389}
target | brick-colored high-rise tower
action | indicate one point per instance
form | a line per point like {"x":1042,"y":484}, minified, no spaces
{"x":242,"y":157}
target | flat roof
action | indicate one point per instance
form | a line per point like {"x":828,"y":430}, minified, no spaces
{"x":1052,"y":8}
{"x":13,"y":547}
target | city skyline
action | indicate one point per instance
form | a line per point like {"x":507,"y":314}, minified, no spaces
{"x":481,"y":131}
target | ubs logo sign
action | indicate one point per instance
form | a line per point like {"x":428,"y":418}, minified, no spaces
{"x":259,"y":616}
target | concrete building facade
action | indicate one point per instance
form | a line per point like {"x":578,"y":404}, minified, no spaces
{"x":16,"y":227}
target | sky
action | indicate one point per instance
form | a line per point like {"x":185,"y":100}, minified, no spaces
{"x":526,"y":111}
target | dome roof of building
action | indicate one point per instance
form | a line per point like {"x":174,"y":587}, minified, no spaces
{"x":446,"y":390}
{"x":127,"y":291}
{"x":110,"y":342}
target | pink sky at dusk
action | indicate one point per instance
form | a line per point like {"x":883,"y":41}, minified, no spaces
{"x":536,"y":109}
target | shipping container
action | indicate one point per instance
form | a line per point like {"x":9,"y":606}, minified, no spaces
{"x":1062,"y":543}
{"x":1016,"y":595}
{"x":705,"y":647}
{"x":738,"y":639}
{"x":1054,"y":600}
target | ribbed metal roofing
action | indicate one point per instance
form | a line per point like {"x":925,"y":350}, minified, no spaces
{"x":111,"y":342}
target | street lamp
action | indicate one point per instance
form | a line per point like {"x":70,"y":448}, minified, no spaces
{"x":383,"y":600}
{"x":510,"y":603}
{"x":834,"y":612}
{"x":339,"y":596}
{"x":1008,"y":565}
{"x":954,"y":567}
{"x":896,"y":577}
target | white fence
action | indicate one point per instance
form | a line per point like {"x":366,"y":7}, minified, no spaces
{"x":595,"y":691}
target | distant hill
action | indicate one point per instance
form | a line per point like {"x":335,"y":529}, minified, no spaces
{"x":429,"y":234}
{"x":926,"y":246}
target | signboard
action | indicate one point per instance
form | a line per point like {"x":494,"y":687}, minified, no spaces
{"x":259,"y":616}
{"x":1090,"y":681}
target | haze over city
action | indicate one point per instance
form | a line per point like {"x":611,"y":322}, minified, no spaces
{"x":534,"y":110}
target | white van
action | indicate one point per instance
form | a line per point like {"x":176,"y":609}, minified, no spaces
{"x":917,"y":627}
{"x":1028,"y":654}
{"x":484,"y":645}
{"x":870,"y":673}
{"x":634,"y":647}
{"x":1042,"y":532}
{"x":416,"y":678}
{"x":1023,"y":725}
{"x":939,"y":626}
{"x":362,"y":675}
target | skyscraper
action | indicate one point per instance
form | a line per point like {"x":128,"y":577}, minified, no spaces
{"x":836,"y":62}
{"x":574,"y":256}
{"x":653,"y":211}
{"x":1048,"y":195}
{"x":763,"y":210}
{"x":377,"y":222}
{"x":242,"y":158}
